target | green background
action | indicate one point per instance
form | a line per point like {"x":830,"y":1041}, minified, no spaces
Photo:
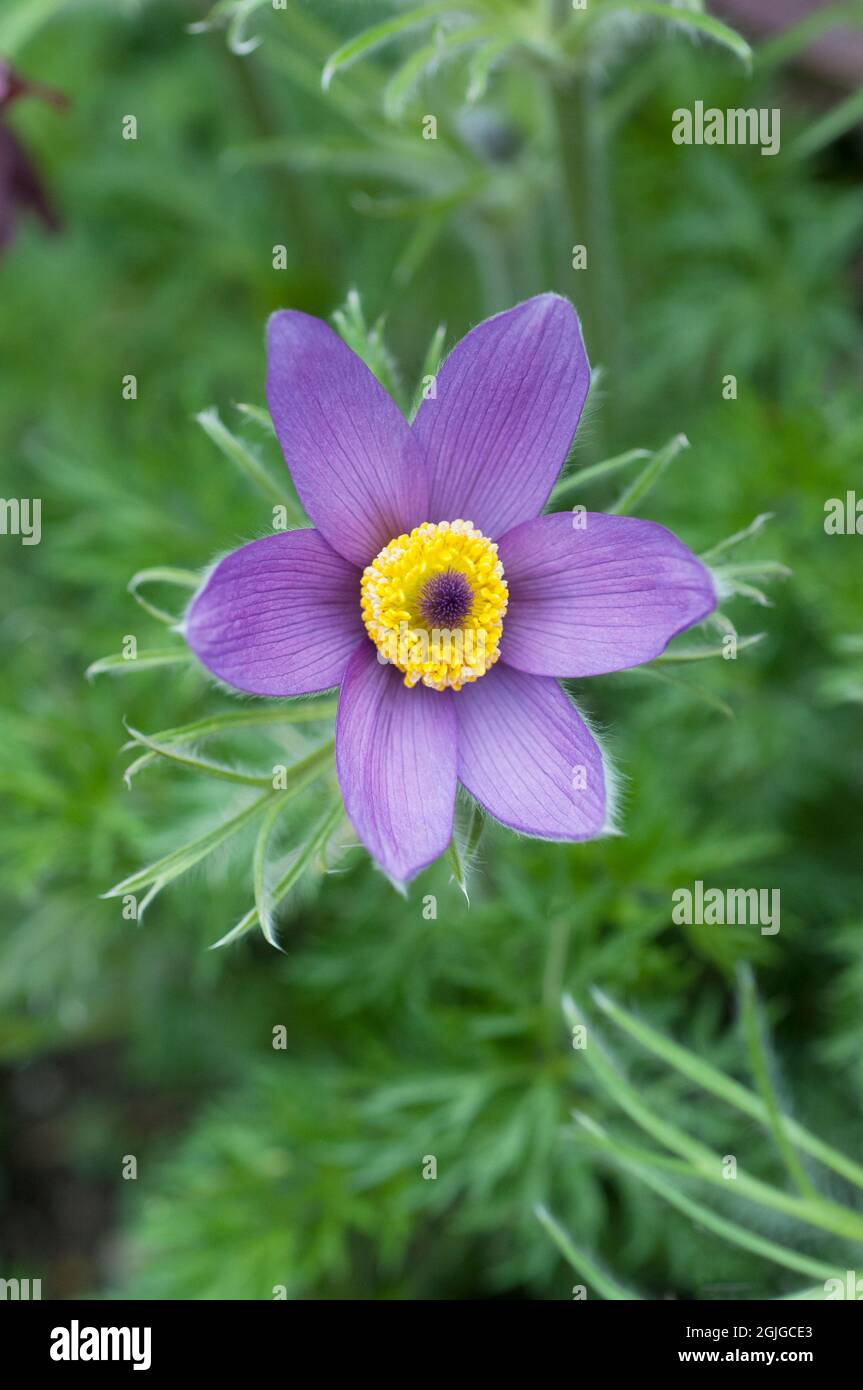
{"x":409,"y":1037}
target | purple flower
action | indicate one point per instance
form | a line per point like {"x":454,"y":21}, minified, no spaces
{"x":21,"y":187}
{"x":434,"y":592}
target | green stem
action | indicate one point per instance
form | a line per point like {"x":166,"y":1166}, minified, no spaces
{"x":753,"y":1032}
{"x":584,"y":1265}
{"x":584,"y":175}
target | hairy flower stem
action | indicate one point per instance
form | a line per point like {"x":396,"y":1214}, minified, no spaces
{"x":584,"y":178}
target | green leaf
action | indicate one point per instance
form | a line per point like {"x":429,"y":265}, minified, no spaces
{"x":481,"y":65}
{"x":693,"y":19}
{"x":737,"y":538}
{"x":368,"y":343}
{"x":649,"y":475}
{"x":460,"y":852}
{"x":248,"y":463}
{"x":584,"y":1265}
{"x":185,"y":579}
{"x":730,"y":582}
{"x":474,"y":831}
{"x":315,"y":844}
{"x":259,"y":871}
{"x":361,"y":45}
{"x":20,"y":22}
{"x":753,"y":1032}
{"x":117,"y":664}
{"x":197,"y":764}
{"x":294,"y":712}
{"x":235,"y":14}
{"x":702,"y":1215}
{"x":347,"y":99}
{"x":258,"y":415}
{"x":706,"y":651}
{"x":170,"y":866}
{"x":766,"y":569}
{"x":456,"y":863}
{"x":716,"y":1083}
{"x":699,"y":691}
{"x":147,"y":899}
{"x":574,"y":482}
{"x":797,"y":37}
{"x":699,"y":1160}
{"x":403,"y":81}
{"x":430,"y":366}
{"x":237,"y":40}
{"x":844,"y":116}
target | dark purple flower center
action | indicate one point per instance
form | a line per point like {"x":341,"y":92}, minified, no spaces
{"x":446,"y":599}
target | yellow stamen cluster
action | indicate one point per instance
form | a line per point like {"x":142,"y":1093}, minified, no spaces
{"x":396,"y":607}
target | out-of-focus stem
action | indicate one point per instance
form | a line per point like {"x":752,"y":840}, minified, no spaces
{"x":584,"y":177}
{"x":552,"y":979}
{"x":291,"y":206}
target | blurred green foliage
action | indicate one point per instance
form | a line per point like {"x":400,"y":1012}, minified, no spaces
{"x":408,"y":1037}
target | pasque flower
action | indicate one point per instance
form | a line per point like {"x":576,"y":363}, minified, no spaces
{"x":434,"y":592}
{"x":21,"y":186}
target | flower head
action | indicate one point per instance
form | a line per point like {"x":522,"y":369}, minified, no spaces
{"x":433,"y":604}
{"x":433,"y":591}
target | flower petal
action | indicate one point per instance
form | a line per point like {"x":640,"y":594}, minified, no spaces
{"x":396,"y":759}
{"x":349,"y":449}
{"x":527,"y":756}
{"x":508,"y":401}
{"x":590,"y":593}
{"x":280,"y":616}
